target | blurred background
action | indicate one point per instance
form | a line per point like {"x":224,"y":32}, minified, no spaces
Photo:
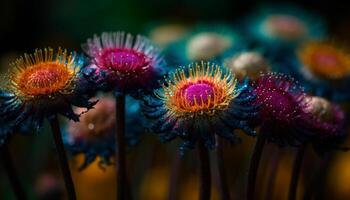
{"x":26,"y":25}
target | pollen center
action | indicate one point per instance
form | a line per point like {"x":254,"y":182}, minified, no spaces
{"x":285,"y":26}
{"x":200,"y":93}
{"x":44,"y":78}
{"x":124,"y":61}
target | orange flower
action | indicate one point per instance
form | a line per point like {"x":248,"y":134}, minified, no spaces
{"x":325,"y":60}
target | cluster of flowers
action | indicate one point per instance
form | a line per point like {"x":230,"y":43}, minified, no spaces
{"x":231,"y":83}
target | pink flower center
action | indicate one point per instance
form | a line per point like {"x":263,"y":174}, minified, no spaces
{"x":326,"y":59}
{"x":199,"y":93}
{"x":285,"y":26}
{"x":124,"y":60}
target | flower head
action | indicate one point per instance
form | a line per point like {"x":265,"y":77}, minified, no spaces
{"x":164,"y":34}
{"x":198,"y":102}
{"x":247,"y":64}
{"x":324,"y":60}
{"x":45,"y":84}
{"x":284,"y":24}
{"x":205,"y":42}
{"x":282,"y":103}
{"x":277,"y":27}
{"x":94,"y":134}
{"x":323,"y":67}
{"x":130,"y":65}
{"x":325,"y":121}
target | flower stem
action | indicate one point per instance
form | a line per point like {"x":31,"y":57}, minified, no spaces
{"x":298,"y":162}
{"x":223,"y":187}
{"x":174,"y":178}
{"x":204,"y":170}
{"x":12,"y":173}
{"x":317,"y":179}
{"x":120,"y":147}
{"x":254,"y":165}
{"x":272,"y":174}
{"x":56,"y":132}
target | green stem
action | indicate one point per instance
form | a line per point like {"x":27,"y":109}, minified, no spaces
{"x":272,"y":174}
{"x":174,"y":178}
{"x":120,"y":148}
{"x":297,"y":165}
{"x":223,"y":186}
{"x":254,"y":166}
{"x":56,"y":132}
{"x":204,"y":172}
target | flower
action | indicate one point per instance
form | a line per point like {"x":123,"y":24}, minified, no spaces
{"x":199,"y":102}
{"x":205,"y":42}
{"x":247,"y":64}
{"x":324,"y":61}
{"x":164,"y":34}
{"x":94,"y":135}
{"x":324,"y":68}
{"x":43,"y":85}
{"x":282,"y":105}
{"x":325,"y":121}
{"x":130,"y":65}
{"x":47,"y":186}
{"x":283,"y":26}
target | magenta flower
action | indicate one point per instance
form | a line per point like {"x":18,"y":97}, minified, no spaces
{"x":326,"y":122}
{"x":130,"y":65}
{"x":282,"y":105}
{"x":324,"y":118}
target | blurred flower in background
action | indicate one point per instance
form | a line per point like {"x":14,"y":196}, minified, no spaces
{"x":48,"y":187}
{"x":206,"y":42}
{"x":164,"y":34}
{"x":274,"y":27}
{"x":94,"y":135}
{"x":247,"y":64}
{"x":324,"y":68}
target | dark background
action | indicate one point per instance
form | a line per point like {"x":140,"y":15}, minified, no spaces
{"x":26,"y":25}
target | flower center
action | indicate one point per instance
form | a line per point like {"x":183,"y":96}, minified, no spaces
{"x":201,"y":90}
{"x":282,"y":103}
{"x":124,"y":61}
{"x":199,"y":94}
{"x":327,"y":63}
{"x":326,"y":59}
{"x":285,"y":26}
{"x":205,"y":46}
{"x":44,"y":78}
